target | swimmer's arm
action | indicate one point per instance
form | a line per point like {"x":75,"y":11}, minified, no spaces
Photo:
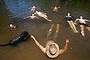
{"x":38,"y":44}
{"x":76,"y":20}
{"x":87,"y":20}
{"x":65,"y":47}
{"x":27,"y":17}
{"x":37,"y":17}
{"x":35,"y":13}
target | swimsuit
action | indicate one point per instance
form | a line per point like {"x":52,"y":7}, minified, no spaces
{"x":86,"y":25}
{"x":68,"y":18}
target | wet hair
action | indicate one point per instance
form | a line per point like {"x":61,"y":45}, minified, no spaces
{"x":81,"y":16}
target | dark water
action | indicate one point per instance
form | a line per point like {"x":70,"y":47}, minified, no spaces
{"x":15,"y":10}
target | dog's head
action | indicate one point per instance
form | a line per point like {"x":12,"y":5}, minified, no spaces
{"x":24,"y":34}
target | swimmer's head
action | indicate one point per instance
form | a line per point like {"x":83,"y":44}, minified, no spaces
{"x":68,"y":14}
{"x":34,"y":7}
{"x":81,"y":17}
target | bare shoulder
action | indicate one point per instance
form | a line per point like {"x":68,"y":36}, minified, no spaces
{"x":61,"y":51}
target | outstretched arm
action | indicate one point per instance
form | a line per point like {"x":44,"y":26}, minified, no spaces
{"x":87,"y":20}
{"x":75,"y":21}
{"x":65,"y":47}
{"x":38,"y":44}
{"x":27,"y":17}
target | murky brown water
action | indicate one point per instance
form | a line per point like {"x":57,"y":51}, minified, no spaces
{"x":28,"y":50}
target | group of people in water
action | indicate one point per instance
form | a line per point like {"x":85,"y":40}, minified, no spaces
{"x":82,"y":23}
{"x":52,"y":49}
{"x":40,"y":14}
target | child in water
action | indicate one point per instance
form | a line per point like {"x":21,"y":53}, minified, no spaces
{"x":56,"y":9}
{"x":12,"y":26}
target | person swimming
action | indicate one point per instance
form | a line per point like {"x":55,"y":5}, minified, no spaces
{"x":51,"y":49}
{"x":12,"y":25}
{"x":40,"y":14}
{"x":70,"y":22}
{"x":55,"y":9}
{"x":32,"y":17}
{"x":82,"y":23}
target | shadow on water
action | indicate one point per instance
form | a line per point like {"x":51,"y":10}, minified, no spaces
{"x":15,"y":10}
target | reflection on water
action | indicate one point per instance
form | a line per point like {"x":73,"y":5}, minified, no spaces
{"x":18,"y":9}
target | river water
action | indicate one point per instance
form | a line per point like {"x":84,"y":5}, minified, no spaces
{"x":15,"y":10}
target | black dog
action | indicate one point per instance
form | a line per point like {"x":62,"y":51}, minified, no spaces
{"x":22,"y":37}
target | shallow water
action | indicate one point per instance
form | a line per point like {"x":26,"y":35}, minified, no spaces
{"x":15,"y":10}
